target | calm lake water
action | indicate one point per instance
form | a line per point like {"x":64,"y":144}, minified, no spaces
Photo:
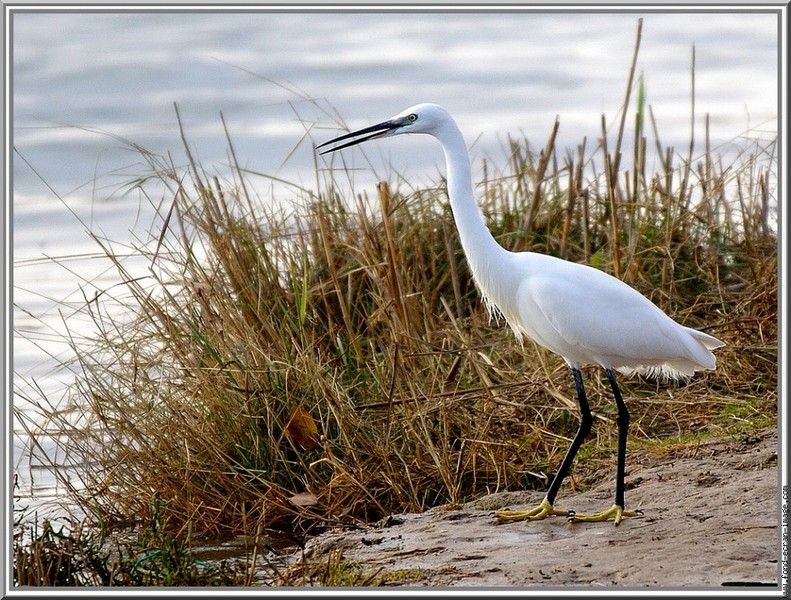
{"x":273,"y":75}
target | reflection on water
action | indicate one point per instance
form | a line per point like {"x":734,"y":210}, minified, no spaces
{"x":276,"y":77}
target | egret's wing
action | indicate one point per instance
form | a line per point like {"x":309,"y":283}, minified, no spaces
{"x":603,"y":317}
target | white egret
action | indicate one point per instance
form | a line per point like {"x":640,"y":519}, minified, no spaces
{"x":581,"y":313}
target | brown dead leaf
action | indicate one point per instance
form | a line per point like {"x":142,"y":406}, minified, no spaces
{"x":301,"y":429}
{"x":303,"y":499}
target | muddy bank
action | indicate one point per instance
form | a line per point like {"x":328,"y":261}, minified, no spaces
{"x":711,"y":520}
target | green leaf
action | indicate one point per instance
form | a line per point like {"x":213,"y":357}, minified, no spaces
{"x":598,"y":258}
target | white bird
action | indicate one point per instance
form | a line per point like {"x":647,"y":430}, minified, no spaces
{"x":581,"y":313}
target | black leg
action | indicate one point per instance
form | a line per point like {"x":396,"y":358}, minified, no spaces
{"x":586,"y":421}
{"x":623,"y":428}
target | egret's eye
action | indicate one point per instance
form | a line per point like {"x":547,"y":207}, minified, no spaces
{"x":412,"y":118}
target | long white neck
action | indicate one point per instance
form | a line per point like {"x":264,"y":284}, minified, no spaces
{"x":483,"y":253}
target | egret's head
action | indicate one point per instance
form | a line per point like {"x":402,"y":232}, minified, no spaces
{"x":421,"y":118}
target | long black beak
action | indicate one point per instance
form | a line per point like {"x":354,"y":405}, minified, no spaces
{"x":375,"y":131}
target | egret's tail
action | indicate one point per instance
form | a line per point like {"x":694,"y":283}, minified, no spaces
{"x":708,"y":341}
{"x":699,"y":357}
{"x":699,"y":346}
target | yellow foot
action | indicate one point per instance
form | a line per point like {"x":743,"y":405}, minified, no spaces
{"x":615,"y":512}
{"x":542,"y":511}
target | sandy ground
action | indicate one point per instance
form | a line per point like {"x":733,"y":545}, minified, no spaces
{"x":711,"y":520}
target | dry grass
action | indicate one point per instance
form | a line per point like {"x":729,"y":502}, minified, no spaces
{"x":341,"y":353}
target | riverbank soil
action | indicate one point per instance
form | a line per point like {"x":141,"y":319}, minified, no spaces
{"x":711,"y":520}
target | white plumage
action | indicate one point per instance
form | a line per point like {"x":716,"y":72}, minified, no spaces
{"x":590,"y":317}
